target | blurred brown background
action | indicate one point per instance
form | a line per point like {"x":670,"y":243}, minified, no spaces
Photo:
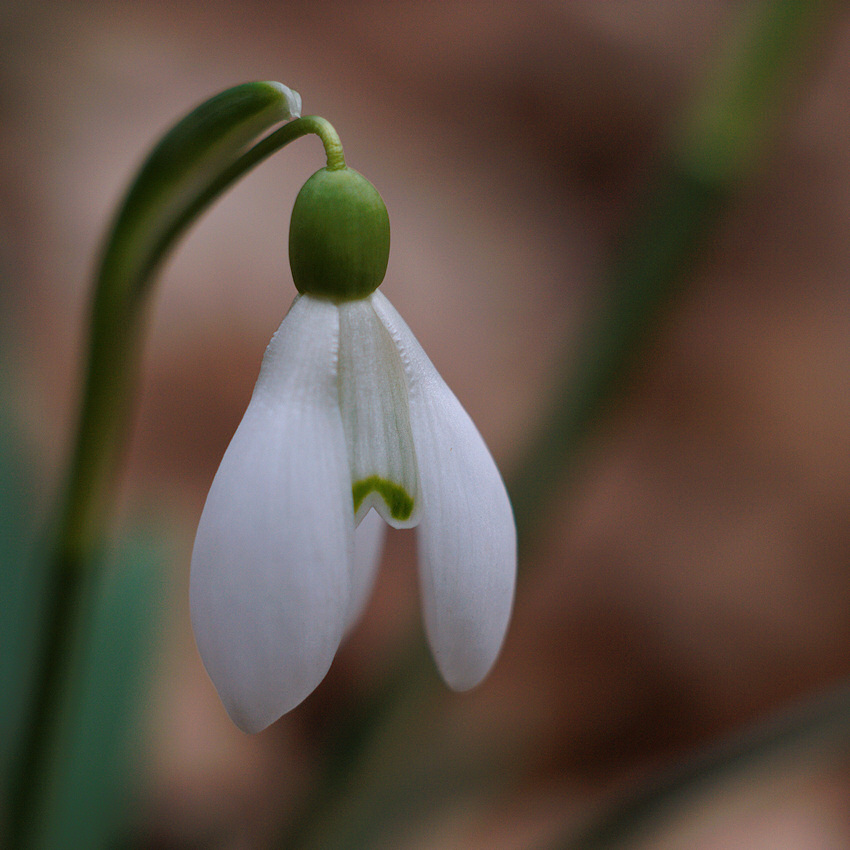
{"x":697,"y":574}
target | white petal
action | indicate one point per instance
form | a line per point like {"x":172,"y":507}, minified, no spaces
{"x":270,"y":581}
{"x":369,"y":539}
{"x":375,"y":416}
{"x":467,"y":534}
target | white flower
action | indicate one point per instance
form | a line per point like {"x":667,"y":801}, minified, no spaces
{"x":348,"y":415}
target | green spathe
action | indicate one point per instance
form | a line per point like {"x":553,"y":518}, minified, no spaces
{"x":339,"y":236}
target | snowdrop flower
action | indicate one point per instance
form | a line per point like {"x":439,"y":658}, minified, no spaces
{"x":350,"y":428}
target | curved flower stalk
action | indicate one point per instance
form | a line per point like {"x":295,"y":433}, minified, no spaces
{"x":350,"y":428}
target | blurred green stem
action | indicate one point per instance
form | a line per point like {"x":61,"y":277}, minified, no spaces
{"x":823,"y":721}
{"x":716,"y":149}
{"x":193,"y":164}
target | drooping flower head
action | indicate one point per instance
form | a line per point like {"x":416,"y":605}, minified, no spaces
{"x":350,"y":428}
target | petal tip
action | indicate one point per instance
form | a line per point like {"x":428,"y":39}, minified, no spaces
{"x":248,"y":722}
{"x":461,"y":680}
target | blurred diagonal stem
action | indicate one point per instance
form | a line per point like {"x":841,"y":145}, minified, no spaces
{"x":717,"y":147}
{"x":194,"y":163}
{"x":821,"y":722}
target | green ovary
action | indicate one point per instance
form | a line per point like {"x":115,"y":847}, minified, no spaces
{"x":397,"y":498}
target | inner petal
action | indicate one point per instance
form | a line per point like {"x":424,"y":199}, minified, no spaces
{"x":373,"y":399}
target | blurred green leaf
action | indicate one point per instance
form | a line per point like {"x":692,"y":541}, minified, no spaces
{"x":726,"y":128}
{"x":92,"y":775}
{"x":714,"y":148}
{"x":22,"y":584}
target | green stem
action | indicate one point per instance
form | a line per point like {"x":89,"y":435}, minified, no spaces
{"x":115,"y":337}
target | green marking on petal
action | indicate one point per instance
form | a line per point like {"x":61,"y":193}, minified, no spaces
{"x":397,"y":498}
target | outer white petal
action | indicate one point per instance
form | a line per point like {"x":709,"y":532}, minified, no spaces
{"x":467,"y":534}
{"x":369,"y":539}
{"x":270,"y":581}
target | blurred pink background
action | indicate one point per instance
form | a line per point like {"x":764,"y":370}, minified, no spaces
{"x":699,"y":572}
